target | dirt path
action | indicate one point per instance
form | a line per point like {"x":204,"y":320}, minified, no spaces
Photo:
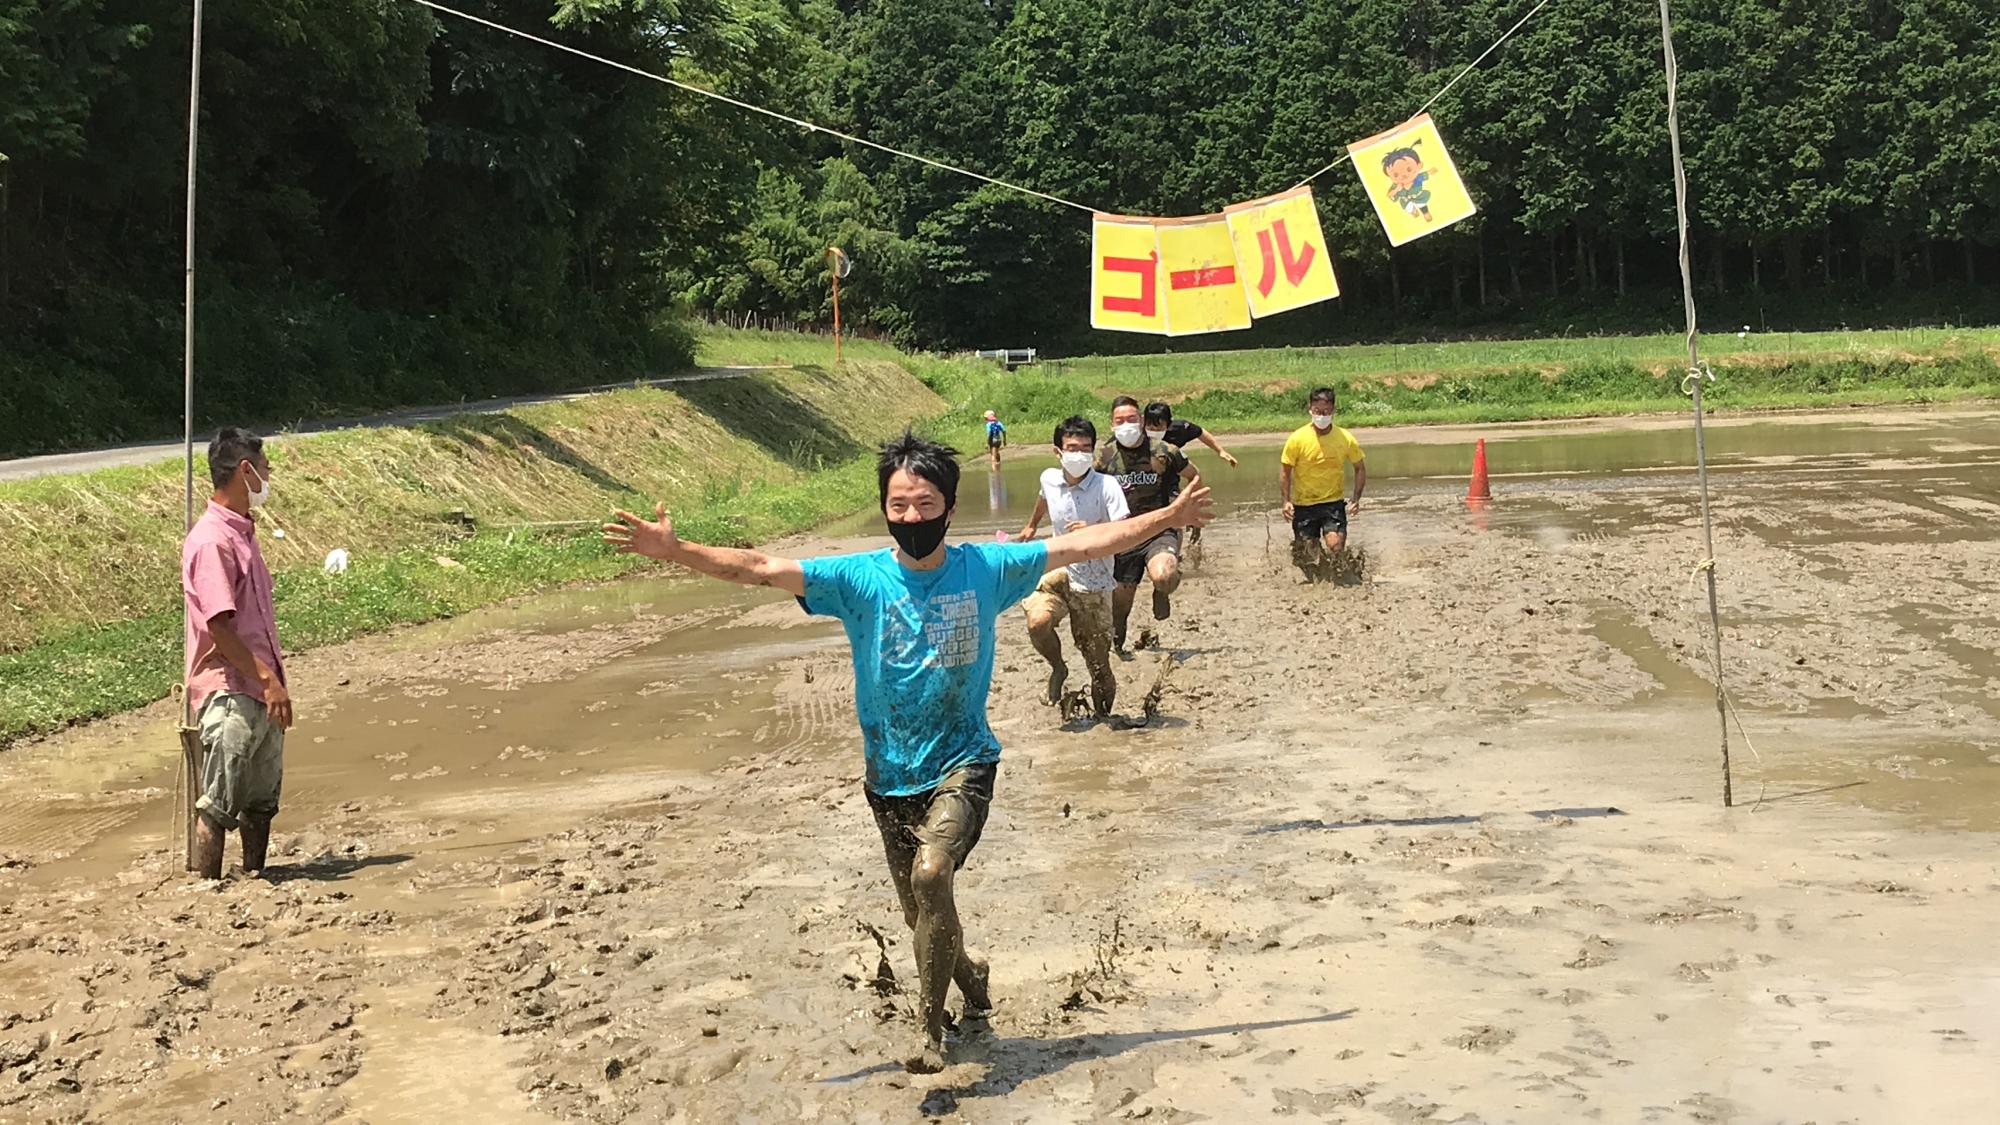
{"x":1444,"y":846}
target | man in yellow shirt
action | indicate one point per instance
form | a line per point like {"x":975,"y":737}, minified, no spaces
{"x":1312,"y":483}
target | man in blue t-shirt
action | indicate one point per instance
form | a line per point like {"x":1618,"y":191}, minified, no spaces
{"x":919,"y":620}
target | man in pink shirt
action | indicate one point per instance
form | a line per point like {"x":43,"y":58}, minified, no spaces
{"x":235,"y":670}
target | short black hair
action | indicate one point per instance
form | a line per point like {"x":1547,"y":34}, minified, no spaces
{"x":1396,"y":154}
{"x":231,"y":448}
{"x":1124,"y":400}
{"x":930,"y":460}
{"x":1322,"y":394}
{"x":1072,"y":426}
{"x":1159,"y":412}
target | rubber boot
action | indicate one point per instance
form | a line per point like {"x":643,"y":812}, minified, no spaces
{"x":208,"y":841}
{"x":256,"y":844}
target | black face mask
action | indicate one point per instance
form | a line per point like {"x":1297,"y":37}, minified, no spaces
{"x":919,"y":539}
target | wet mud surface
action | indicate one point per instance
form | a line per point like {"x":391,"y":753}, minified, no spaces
{"x":1442,"y":844}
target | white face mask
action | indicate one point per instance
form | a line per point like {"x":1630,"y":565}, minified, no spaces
{"x":262,"y":492}
{"x":1129,"y":434}
{"x":1075,"y":464}
{"x":1157,"y":435}
{"x":1322,"y":421}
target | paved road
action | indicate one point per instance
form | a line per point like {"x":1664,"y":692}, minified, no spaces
{"x":23,"y":467}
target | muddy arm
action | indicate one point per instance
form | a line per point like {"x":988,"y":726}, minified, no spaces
{"x":655,"y":539}
{"x":1208,"y":439}
{"x":1035,"y":518}
{"x":1360,"y":485}
{"x":1192,"y":508}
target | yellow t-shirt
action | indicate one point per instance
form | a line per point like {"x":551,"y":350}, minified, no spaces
{"x":1318,"y":461}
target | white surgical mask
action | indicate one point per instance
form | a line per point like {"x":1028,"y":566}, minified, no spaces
{"x":1129,"y":434}
{"x":1322,"y":421}
{"x":262,"y":492}
{"x":1157,"y":435}
{"x":1076,"y":464}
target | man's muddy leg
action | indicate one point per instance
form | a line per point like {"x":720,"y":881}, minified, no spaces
{"x":1335,"y":543}
{"x":1121,"y":611}
{"x":208,"y":841}
{"x":972,"y":972}
{"x":1164,"y":570}
{"x":1095,"y":644}
{"x":938,"y":938}
{"x":1303,"y":550}
{"x":1042,"y":634}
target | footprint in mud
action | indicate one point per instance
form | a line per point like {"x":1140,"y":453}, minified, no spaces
{"x":1485,"y":1038}
{"x":1324,"y":1104}
{"x":1695,"y":972}
{"x":1596,"y":951}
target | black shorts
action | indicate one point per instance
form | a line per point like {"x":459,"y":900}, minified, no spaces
{"x":950,"y":817}
{"x":1128,"y":568}
{"x":1311,"y":521}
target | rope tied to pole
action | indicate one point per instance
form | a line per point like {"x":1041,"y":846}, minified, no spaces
{"x":1701,"y":372}
{"x":1698,"y":374}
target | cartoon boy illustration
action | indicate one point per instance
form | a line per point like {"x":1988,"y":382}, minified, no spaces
{"x":1406,"y":169}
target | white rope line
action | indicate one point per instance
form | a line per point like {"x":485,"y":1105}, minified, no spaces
{"x":1470,"y":67}
{"x":808,"y":126}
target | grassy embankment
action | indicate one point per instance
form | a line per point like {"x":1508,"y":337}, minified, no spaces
{"x":440,"y":518}
{"x":1504,"y":380}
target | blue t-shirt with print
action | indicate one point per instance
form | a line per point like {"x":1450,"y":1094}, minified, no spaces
{"x":923,"y":652}
{"x":994,"y":432}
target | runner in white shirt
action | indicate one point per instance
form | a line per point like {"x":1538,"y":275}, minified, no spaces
{"x":1074,"y":496}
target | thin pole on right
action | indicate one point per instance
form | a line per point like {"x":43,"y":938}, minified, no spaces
{"x":1692,"y":384}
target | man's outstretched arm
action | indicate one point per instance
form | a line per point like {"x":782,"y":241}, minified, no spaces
{"x":656,"y":540}
{"x":1208,"y":439}
{"x":1192,"y":508}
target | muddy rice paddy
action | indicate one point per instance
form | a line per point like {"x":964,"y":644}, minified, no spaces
{"x":1444,"y":845}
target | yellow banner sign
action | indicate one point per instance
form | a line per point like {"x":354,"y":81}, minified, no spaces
{"x":1281,"y":252}
{"x":1411,"y":180}
{"x":1198,"y":260}
{"x":1209,"y":273}
{"x":1125,"y":275}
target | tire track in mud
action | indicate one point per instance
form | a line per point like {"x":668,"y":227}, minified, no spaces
{"x":812,"y":706}
{"x":49,"y":829}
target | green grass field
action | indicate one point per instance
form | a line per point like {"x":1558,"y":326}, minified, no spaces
{"x":1417,"y":361}
{"x":1486,"y":381}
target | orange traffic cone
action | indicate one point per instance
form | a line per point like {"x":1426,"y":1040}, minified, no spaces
{"x":1481,"y":489}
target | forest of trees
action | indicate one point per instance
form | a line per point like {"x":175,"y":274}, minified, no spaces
{"x":400,"y":206}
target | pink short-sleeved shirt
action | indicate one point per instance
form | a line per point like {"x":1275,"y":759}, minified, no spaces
{"x":222,"y":571}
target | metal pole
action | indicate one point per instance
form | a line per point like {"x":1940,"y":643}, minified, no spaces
{"x":190,"y":744}
{"x":1695,"y":378}
{"x":187,"y":307}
